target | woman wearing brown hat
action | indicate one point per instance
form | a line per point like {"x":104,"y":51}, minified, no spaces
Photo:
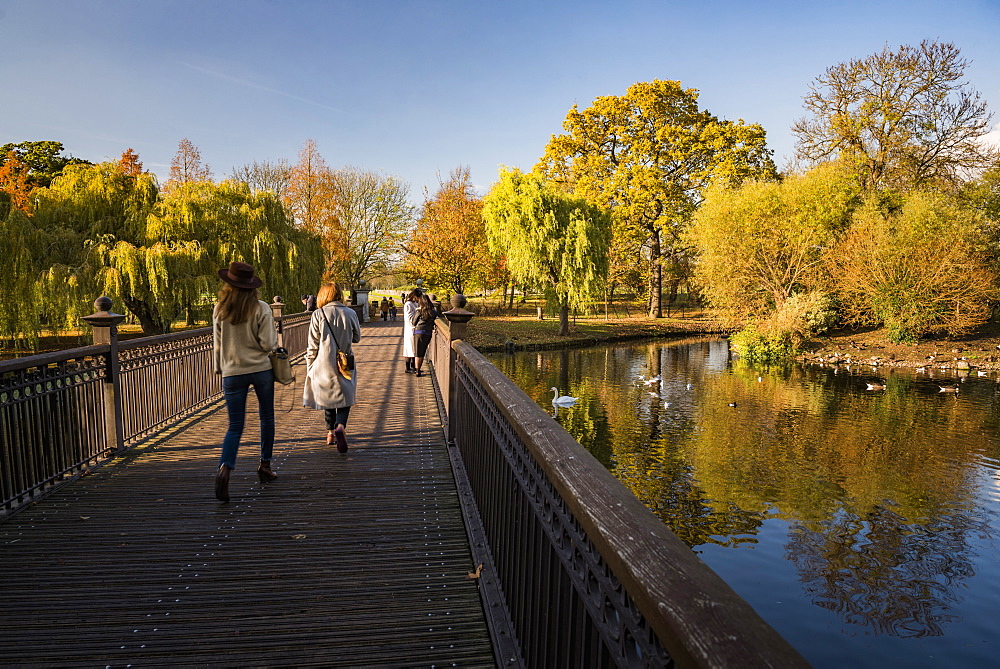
{"x":243,"y":335}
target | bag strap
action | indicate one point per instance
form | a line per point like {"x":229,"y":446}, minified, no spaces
{"x":333,"y":336}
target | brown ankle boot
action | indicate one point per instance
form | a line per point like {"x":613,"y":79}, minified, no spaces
{"x":222,"y":483}
{"x":264,"y":472}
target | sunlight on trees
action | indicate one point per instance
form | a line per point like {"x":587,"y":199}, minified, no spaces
{"x":373,"y":214}
{"x":550,"y":238}
{"x":448,"y":246}
{"x":903,"y":118}
{"x":917,"y":268}
{"x":647,"y":156}
{"x":186,"y":166}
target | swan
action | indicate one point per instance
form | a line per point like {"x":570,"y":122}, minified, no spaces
{"x":650,"y":381}
{"x":563,"y":401}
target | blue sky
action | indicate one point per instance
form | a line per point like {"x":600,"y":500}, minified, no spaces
{"x":417,"y":87}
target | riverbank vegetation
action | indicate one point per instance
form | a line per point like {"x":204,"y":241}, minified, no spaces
{"x":888,"y":221}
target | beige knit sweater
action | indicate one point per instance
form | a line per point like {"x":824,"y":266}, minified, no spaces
{"x":243,"y":348}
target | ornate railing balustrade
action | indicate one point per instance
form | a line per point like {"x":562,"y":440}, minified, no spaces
{"x":586,"y":575}
{"x":58,"y":410}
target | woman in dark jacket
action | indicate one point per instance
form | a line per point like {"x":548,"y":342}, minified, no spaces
{"x":423,"y":327}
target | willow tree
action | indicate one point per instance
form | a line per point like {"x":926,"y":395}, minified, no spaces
{"x":20,"y":248}
{"x":111,"y":232}
{"x":647,"y":156}
{"x":86,"y":207}
{"x":215,"y":224}
{"x":550,"y":238}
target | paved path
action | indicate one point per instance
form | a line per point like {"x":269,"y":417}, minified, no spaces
{"x":346,"y":560}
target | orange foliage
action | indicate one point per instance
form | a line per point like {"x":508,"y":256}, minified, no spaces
{"x":130,"y":163}
{"x":14,"y":181}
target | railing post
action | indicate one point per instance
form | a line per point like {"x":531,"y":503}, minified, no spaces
{"x":105,"y":324}
{"x":277,"y":306}
{"x":458,"y":318}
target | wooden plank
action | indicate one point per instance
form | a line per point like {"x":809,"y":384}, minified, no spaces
{"x":346,"y":560}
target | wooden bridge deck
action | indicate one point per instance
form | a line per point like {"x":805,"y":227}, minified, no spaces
{"x":346,"y":560}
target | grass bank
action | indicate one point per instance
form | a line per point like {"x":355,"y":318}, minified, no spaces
{"x":492,"y":333}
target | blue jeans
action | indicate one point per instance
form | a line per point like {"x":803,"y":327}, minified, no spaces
{"x":235,"y":389}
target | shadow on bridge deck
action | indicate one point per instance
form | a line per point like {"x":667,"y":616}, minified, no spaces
{"x":352,"y":560}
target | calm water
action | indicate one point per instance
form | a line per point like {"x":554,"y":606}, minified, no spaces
{"x":863,"y":525}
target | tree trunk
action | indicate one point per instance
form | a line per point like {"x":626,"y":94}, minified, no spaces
{"x":150,"y":320}
{"x":655,"y":277}
{"x":564,"y":320}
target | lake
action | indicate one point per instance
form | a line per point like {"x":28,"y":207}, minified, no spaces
{"x":861,"y":523}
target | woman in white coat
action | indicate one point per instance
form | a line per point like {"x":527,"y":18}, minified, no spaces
{"x":333,"y":327}
{"x":410,"y":308}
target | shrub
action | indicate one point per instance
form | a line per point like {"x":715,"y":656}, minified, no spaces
{"x":761,"y":345}
{"x":918,"y":269}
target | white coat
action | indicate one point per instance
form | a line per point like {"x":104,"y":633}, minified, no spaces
{"x":409,"y":308}
{"x":325,"y":387}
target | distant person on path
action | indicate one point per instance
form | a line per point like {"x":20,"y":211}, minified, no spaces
{"x":243,"y":335}
{"x":409,"y":309}
{"x":392,"y":309}
{"x":423,"y":328}
{"x":310,"y":302}
{"x":333,"y":327}
{"x":384,"y":308}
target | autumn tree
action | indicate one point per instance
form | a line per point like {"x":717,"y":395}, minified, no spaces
{"x":15,"y":188}
{"x":917,"y":267}
{"x":647,"y":156}
{"x":186,"y":166}
{"x":904,"y":118}
{"x":550,"y":238}
{"x":44,"y":160}
{"x":448,"y":246}
{"x":372,"y":213}
{"x":130,"y":164}
{"x":762,"y":243}
{"x":273,"y":177}
{"x":309,"y":196}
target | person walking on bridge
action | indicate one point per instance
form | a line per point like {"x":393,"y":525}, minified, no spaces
{"x":243,"y":335}
{"x":330,"y":386}
{"x":423,"y":328}
{"x":410,"y":308}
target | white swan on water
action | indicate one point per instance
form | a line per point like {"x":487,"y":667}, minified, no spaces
{"x":564,"y":401}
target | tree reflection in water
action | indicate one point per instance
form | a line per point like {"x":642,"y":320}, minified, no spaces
{"x":880,"y":490}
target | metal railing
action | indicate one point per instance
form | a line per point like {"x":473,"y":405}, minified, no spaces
{"x":58,"y":410}
{"x":588,"y":576}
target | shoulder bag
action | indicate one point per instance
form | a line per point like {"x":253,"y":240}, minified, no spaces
{"x":281,"y":366}
{"x":345,"y":361}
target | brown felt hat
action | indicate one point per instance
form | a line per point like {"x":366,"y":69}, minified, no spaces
{"x":241,"y":275}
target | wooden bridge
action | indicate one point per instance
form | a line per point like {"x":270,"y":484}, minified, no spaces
{"x":371,"y":558}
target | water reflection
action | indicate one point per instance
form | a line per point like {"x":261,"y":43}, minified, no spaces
{"x":883,"y":490}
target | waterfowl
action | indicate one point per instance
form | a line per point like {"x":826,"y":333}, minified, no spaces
{"x":732,"y":404}
{"x":563,"y":401}
{"x":650,"y":381}
{"x":948,"y":389}
{"x":875,"y":386}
